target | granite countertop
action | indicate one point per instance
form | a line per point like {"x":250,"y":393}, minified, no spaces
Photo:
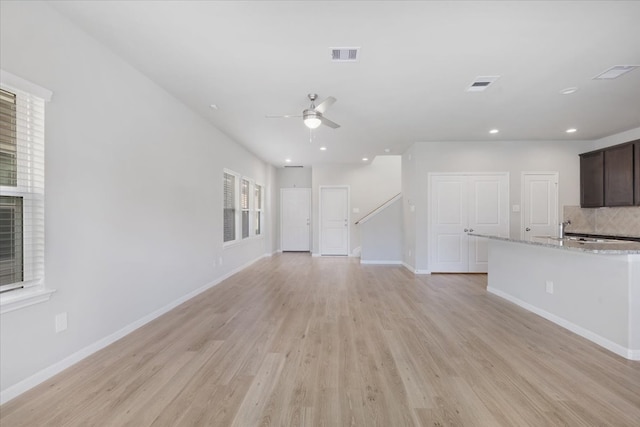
{"x":606,"y":246}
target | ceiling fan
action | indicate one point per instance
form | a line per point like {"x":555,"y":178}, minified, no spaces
{"x":313,"y":116}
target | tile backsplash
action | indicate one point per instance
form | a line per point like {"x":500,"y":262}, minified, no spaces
{"x":611,"y":221}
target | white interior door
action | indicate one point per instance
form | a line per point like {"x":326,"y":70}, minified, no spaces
{"x":463,"y":204}
{"x":449,"y":241}
{"x":539,"y":204}
{"x":488,"y":213}
{"x":295,"y":219}
{"x":334,"y":220}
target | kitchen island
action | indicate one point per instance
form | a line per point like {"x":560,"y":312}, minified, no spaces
{"x":591,"y":288}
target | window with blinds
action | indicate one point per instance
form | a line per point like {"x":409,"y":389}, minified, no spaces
{"x":258,"y":209}
{"x":229,"y":207}
{"x":21,"y":189}
{"x":244,"y":206}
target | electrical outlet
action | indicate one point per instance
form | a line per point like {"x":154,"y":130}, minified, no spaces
{"x":549,"y":287}
{"x":61,"y":322}
{"x":220,"y":261}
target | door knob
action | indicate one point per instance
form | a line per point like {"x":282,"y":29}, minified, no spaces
{"x":527,"y":229}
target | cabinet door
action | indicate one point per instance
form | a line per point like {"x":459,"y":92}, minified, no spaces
{"x":636,"y":167}
{"x":592,"y":179}
{"x":618,"y":176}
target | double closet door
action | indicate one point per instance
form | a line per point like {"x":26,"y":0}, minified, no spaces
{"x":461,"y":204}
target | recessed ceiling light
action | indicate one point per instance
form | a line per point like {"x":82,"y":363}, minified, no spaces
{"x":569,"y":90}
{"x":365,"y":159}
{"x":571,"y":130}
{"x":387,"y":150}
{"x":323,"y":148}
{"x":213,"y":106}
{"x":494,"y":131}
{"x":287,"y":160}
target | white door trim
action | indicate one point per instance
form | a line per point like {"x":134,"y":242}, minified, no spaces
{"x":320,"y":188}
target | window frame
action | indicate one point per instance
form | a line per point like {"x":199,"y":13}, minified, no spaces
{"x":33,"y":290}
{"x":239,"y":209}
{"x":235,"y":206}
{"x":246,"y":209}
{"x":258,"y":209}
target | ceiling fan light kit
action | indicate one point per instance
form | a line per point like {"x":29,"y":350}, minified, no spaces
{"x":313,"y":116}
{"x":311,"y":119}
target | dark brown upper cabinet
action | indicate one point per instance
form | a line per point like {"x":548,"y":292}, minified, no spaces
{"x":592,"y":179}
{"x":618,"y":176}
{"x":611,"y":176}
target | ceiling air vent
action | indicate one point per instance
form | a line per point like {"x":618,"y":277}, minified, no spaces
{"x":615,"y":72}
{"x":481,"y":83}
{"x":288,"y":166}
{"x":345,"y":54}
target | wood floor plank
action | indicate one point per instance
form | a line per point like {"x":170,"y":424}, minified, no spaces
{"x":296,"y":340}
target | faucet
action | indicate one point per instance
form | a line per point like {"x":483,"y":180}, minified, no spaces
{"x":562,"y":227}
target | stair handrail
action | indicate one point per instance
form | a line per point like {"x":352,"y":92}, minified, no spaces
{"x":380,"y":207}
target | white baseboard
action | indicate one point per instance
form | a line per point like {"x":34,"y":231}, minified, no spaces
{"x":414,"y":270}
{"x":381,"y":262}
{"x":585,"y":333}
{"x":48,"y":372}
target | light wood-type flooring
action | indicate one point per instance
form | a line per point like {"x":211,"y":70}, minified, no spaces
{"x":301,"y":341}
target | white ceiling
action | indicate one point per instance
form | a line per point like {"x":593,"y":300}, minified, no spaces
{"x":416,"y":60}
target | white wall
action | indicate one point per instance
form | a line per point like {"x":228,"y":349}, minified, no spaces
{"x":619,"y":138}
{"x":370,"y":186}
{"x":381,"y":235}
{"x":294,"y":177}
{"x":409,"y":190}
{"x":513,"y":157}
{"x":134,"y":193}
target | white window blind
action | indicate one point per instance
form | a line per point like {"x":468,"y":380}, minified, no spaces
{"x":258,"y":209}
{"x":229,"y":207}
{"x":244,"y":206}
{"x":21,"y":189}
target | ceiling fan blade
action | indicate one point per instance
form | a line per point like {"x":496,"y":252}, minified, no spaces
{"x":329,"y":123}
{"x":322,"y":107}
{"x":283,"y":116}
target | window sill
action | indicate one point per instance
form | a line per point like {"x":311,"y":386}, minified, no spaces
{"x":16,"y":300}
